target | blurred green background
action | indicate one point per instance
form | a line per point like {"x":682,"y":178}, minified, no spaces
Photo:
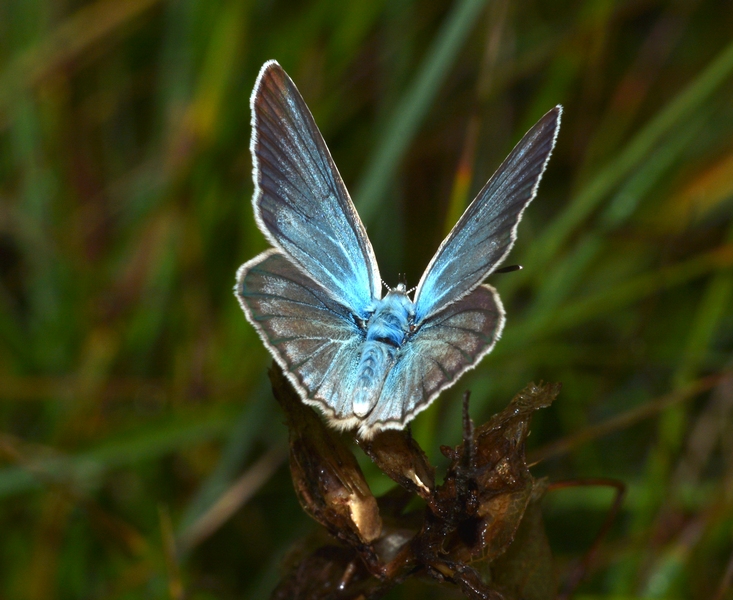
{"x":141,"y":452}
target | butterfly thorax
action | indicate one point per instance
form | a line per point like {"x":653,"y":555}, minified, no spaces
{"x":386,"y":330}
{"x":390,"y":322}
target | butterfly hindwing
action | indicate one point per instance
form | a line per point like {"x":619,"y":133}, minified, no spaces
{"x":485,"y":233}
{"x":447,"y":345}
{"x":312,"y":337}
{"x":300,"y":201}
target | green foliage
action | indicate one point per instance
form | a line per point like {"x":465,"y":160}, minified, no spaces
{"x":134,"y":403}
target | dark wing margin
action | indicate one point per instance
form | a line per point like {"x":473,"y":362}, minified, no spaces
{"x":486,"y":232}
{"x":447,"y":345}
{"x":300,"y":201}
{"x":313,"y":338}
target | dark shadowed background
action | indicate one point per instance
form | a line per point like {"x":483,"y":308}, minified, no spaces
{"x":141,"y":452}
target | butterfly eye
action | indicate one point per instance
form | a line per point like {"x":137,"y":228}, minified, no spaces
{"x":358,"y":321}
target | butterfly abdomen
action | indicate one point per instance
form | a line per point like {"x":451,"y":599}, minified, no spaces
{"x":386,"y":331}
{"x":376,"y":360}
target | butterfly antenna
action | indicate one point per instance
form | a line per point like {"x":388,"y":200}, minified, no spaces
{"x":412,"y":289}
{"x":384,"y":283}
{"x":509,"y":269}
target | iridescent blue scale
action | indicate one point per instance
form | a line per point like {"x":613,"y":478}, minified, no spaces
{"x":364,"y":360}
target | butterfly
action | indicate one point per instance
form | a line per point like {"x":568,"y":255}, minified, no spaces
{"x":369,"y":361}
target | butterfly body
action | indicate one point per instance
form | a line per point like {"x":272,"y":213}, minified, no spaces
{"x":386,"y":331}
{"x":367,"y":361}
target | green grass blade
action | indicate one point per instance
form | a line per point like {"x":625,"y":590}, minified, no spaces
{"x":544,"y":249}
{"x":410,"y":112}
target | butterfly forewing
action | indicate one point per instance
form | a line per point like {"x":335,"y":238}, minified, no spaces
{"x":485,"y":233}
{"x":450,"y":343}
{"x":300,"y":201}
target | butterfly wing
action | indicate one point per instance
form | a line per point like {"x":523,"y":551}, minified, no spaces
{"x":312,"y":337}
{"x":447,"y":345}
{"x":300,"y":201}
{"x":486,"y":232}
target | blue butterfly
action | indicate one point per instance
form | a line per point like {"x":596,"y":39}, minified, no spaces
{"x":367,"y":360}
